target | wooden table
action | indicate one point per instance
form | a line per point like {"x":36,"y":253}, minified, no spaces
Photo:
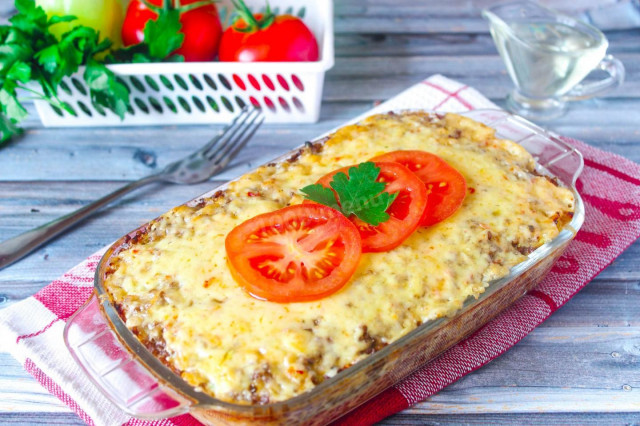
{"x":581,"y":366}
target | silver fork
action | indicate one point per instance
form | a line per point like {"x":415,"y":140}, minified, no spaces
{"x":197,"y":167}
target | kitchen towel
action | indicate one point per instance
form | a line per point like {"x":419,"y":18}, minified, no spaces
{"x":31,"y":330}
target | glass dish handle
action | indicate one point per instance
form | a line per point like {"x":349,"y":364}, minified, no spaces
{"x":549,"y":151}
{"x":611,"y":66}
{"x":117,"y":373}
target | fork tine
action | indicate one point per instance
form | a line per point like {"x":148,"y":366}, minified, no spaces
{"x":227,"y":132}
{"x":220,"y":157}
{"x":251,"y":131}
{"x":236,"y":148}
{"x":223,"y":156}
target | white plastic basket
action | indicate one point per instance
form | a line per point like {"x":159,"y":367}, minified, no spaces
{"x":212,"y":92}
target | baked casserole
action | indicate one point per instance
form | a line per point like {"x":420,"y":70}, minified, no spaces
{"x":172,"y":286}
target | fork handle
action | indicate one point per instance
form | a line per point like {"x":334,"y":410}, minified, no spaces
{"x":17,"y":247}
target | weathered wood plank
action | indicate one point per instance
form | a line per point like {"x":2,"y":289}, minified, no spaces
{"x":543,"y":380}
{"x":454,"y":8}
{"x":381,"y":77}
{"x":519,"y":398}
{"x":53,"y":199}
{"x":13,"y":291}
{"x":610,"y":300}
{"x":410,"y":16}
{"x":26,"y":204}
{"x":394,"y":45}
{"x":36,"y":418}
{"x":594,"y":370}
{"x":577,"y":419}
{"x":48,"y":262}
{"x":422,"y":17}
{"x":19,"y":391}
{"x":602,"y":303}
{"x":382,"y":66}
{"x":126,"y":153}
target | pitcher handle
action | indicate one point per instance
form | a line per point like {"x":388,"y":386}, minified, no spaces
{"x":610,"y":65}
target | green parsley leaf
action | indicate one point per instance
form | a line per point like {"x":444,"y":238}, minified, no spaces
{"x":30,"y":18}
{"x":127,"y":54}
{"x":11,"y":108}
{"x":141,"y":58}
{"x":19,"y":71}
{"x":102,"y":46}
{"x":105,"y":88}
{"x":358,"y":194}
{"x":161,"y":38}
{"x":8,"y":129}
{"x":76,"y":47}
{"x":10,"y":53}
{"x":14,"y":36}
{"x":56,"y":19}
{"x":175,"y":58}
{"x":163,"y":35}
{"x":357,"y":188}
{"x":322,"y":195}
{"x":374,"y":211}
{"x":49,"y":58}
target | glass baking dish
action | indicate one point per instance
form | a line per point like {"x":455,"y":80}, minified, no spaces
{"x":142,"y":386}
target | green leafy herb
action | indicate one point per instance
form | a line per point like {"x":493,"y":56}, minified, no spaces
{"x":105,"y":88}
{"x":30,"y":18}
{"x":31,"y":56}
{"x":30,"y":53}
{"x":164,"y":34}
{"x":162,"y":37}
{"x":322,"y":195}
{"x":359,"y":194}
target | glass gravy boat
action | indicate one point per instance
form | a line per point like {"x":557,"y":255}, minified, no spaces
{"x":547,"y":56}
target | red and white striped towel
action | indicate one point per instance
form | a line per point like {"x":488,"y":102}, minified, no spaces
{"x":610,"y":186}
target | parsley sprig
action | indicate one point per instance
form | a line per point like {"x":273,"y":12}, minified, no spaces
{"x":358,"y":194}
{"x":162,"y":36}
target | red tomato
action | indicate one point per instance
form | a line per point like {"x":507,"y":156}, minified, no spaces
{"x":446,"y":187}
{"x":287,"y":39}
{"x":405,"y":211}
{"x":201,"y":28}
{"x":296,"y":254}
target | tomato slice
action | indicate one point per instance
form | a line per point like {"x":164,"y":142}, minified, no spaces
{"x":446,"y":187}
{"x":296,"y":254}
{"x":405,"y":211}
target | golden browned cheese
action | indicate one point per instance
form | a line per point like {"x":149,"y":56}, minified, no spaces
{"x":175,"y":290}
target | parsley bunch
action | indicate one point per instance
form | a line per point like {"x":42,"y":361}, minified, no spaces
{"x":31,"y":56}
{"x":358,"y":194}
{"x":29,"y":52}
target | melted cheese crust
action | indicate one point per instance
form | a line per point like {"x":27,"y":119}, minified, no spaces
{"x":175,"y":290}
